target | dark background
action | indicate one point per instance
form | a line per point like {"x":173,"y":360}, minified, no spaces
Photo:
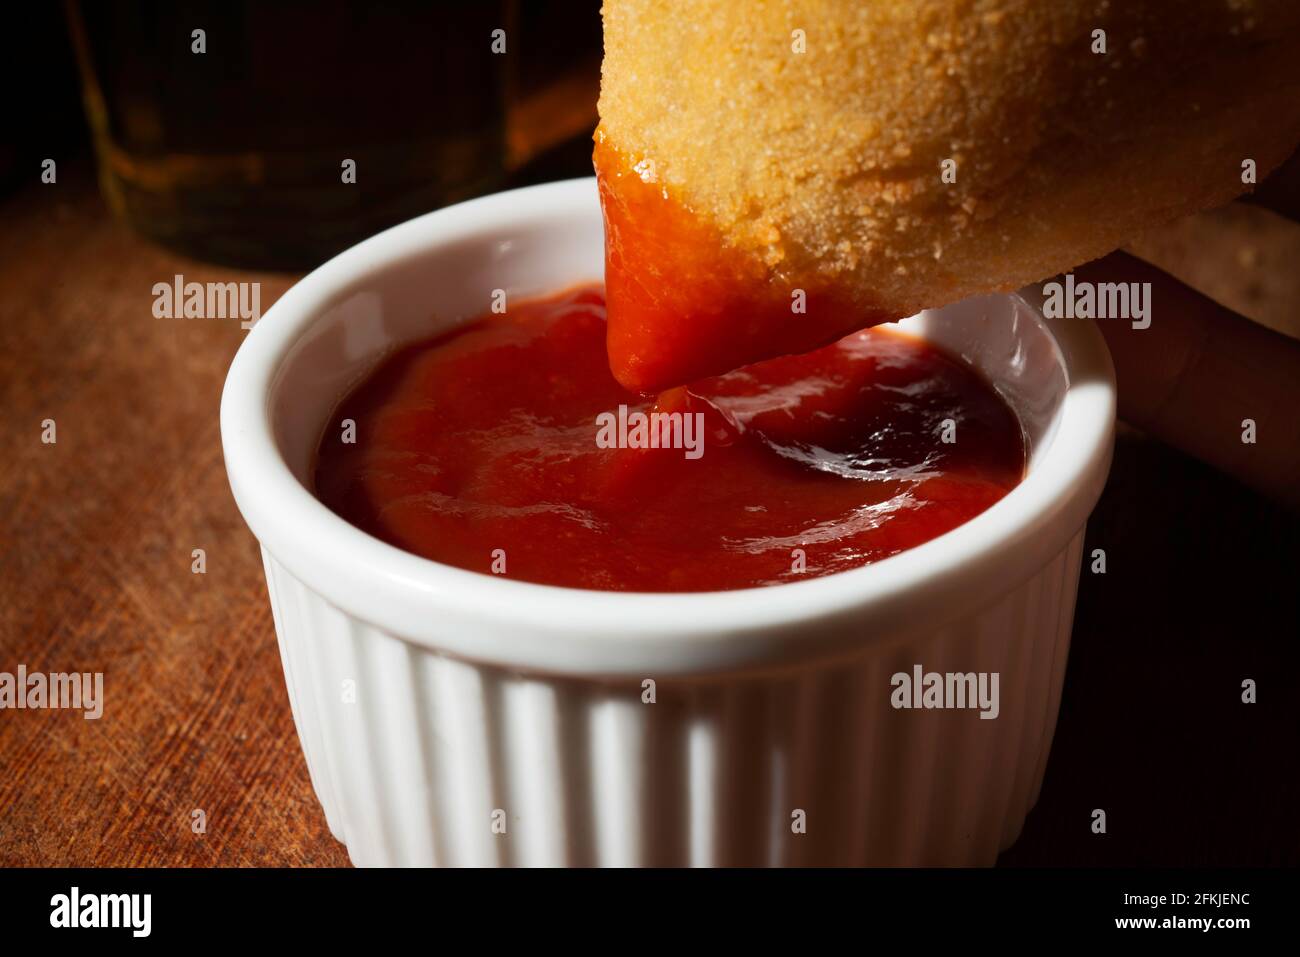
{"x":1201,"y":589}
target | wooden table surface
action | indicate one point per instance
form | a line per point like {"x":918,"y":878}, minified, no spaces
{"x":95,"y":571}
{"x":97,"y":530}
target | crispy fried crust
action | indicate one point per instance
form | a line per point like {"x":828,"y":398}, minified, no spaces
{"x":826,"y":166}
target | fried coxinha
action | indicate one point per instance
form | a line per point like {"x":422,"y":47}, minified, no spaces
{"x":778,"y":173}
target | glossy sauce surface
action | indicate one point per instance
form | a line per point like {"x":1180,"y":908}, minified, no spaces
{"x":481,"y":447}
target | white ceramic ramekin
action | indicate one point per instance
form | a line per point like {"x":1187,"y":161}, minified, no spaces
{"x":457,"y":718}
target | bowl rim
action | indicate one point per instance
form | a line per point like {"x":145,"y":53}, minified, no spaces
{"x":533,"y":626}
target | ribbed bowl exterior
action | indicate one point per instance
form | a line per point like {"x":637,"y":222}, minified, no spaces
{"x":423,"y":759}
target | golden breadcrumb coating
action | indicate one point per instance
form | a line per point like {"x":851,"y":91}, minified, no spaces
{"x":827,"y":165}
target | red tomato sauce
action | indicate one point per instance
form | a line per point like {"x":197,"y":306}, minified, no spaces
{"x":481,"y":448}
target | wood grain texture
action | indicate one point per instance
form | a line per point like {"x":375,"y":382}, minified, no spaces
{"x":96,"y":534}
